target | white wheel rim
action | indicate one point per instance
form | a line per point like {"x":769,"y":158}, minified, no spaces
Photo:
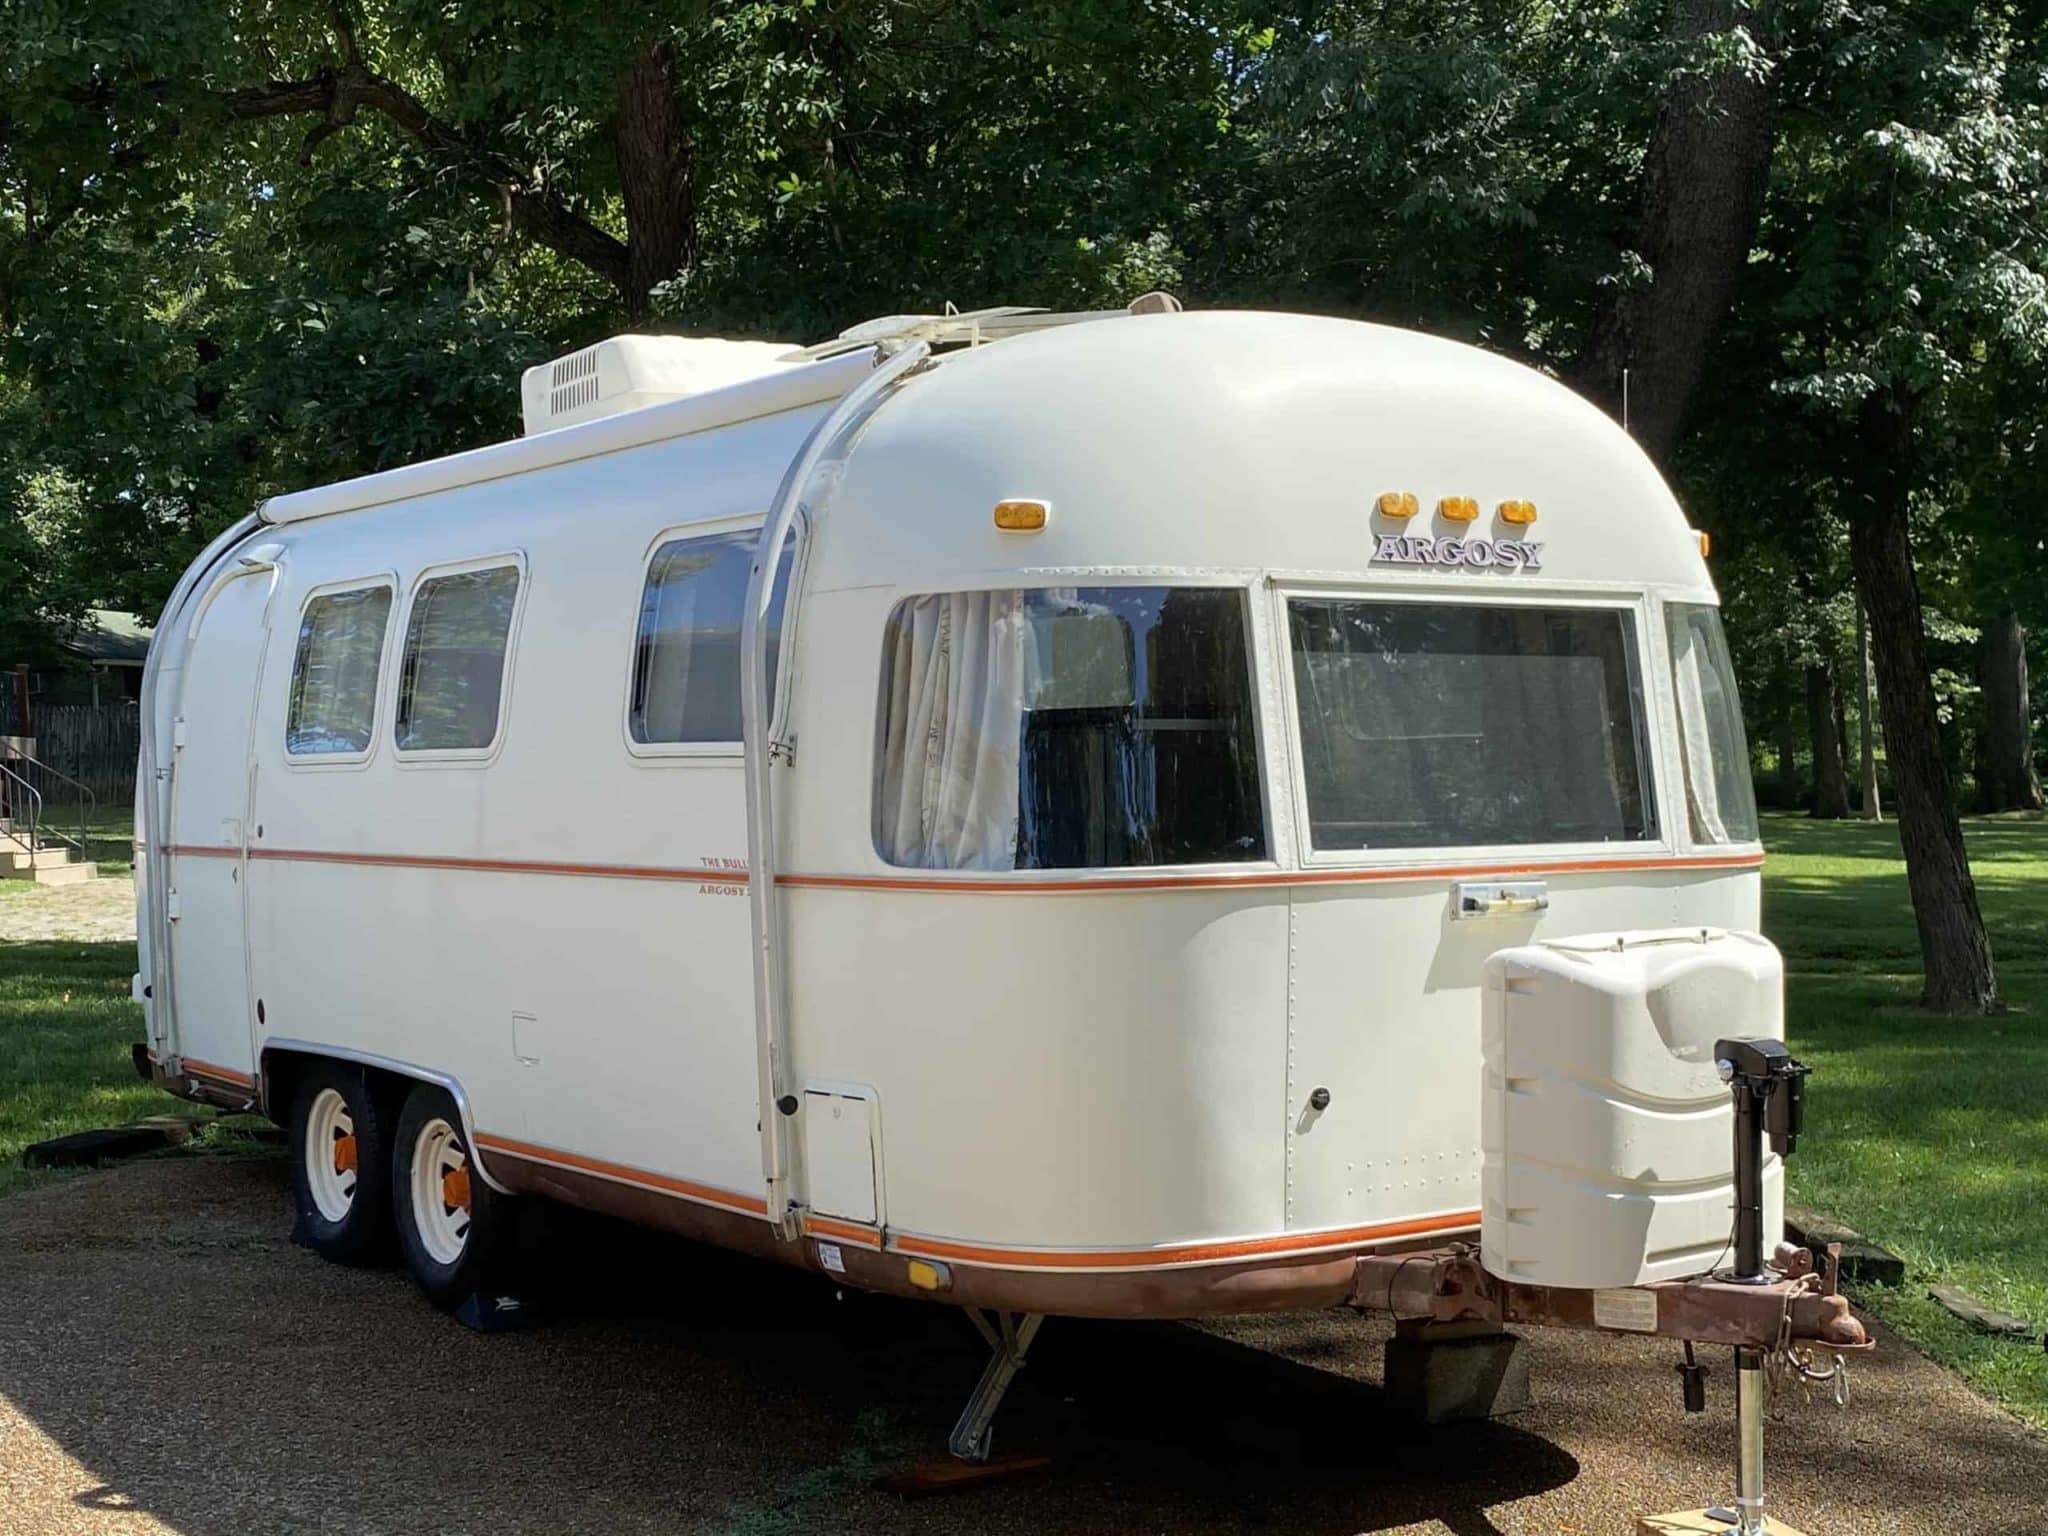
{"x":440,"y":1192}
{"x":331,"y":1155}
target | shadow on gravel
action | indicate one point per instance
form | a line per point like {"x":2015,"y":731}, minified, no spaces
{"x":214,"y":1377}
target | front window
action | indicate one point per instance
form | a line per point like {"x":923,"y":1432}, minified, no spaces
{"x":1068,"y":728}
{"x":1443,"y":725}
{"x":1719,"y":797}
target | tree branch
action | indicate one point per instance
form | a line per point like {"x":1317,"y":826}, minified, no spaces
{"x":533,"y":208}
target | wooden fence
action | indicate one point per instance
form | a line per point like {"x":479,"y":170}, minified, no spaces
{"x":93,"y":743}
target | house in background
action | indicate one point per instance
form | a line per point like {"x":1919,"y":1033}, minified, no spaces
{"x":112,"y":647}
{"x":71,"y":727}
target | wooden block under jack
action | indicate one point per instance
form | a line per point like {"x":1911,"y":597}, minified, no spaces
{"x":1703,"y":1522}
{"x":950,"y":1476}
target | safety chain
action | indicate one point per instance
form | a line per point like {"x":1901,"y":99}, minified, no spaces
{"x":1782,"y":1361}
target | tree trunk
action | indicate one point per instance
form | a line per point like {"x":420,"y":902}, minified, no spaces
{"x":1702,"y":191}
{"x":1830,"y":779}
{"x":1955,"y":951}
{"x":1866,"y":719}
{"x":1788,"y":759}
{"x":2006,"y":778}
{"x":657,"y":176}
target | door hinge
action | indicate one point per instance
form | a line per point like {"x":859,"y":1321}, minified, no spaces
{"x":173,"y":907}
{"x":177,"y":733}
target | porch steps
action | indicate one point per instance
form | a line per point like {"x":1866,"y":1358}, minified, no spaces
{"x":49,"y":865}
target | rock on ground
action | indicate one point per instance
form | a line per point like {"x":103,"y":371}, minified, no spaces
{"x":170,"y":1362}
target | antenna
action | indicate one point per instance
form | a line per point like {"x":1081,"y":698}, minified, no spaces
{"x":1624,"y":399}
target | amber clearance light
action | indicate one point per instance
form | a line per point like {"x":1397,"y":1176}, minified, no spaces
{"x":1518,"y":511}
{"x":1022,"y":515}
{"x":1398,"y":504}
{"x":1458,"y":509}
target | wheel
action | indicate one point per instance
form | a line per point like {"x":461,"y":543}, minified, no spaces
{"x":341,"y":1165}
{"x":450,"y":1223}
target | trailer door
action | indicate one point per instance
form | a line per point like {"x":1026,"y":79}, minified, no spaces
{"x":210,"y":790}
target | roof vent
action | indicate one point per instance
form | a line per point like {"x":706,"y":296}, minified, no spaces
{"x":628,"y":373}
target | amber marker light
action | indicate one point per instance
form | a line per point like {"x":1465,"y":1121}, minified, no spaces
{"x":1706,"y":543}
{"x":1022,"y":516}
{"x":1398,"y":504}
{"x":1458,"y":509}
{"x":1518,"y":511}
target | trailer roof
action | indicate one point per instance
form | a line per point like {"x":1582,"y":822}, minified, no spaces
{"x":792,"y":388}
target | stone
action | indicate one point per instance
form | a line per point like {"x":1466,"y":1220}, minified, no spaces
{"x":1863,"y":1262}
{"x":1435,"y":1380}
{"x":1960,"y":1303}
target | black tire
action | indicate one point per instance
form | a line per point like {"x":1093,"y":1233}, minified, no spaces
{"x":429,"y":1126}
{"x":346,"y":1220}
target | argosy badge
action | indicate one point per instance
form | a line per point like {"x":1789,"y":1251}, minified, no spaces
{"x":1509,"y":554}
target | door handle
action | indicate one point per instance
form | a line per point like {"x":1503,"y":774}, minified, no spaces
{"x":1498,"y":898}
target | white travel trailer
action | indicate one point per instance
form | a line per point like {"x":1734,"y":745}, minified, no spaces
{"x":1132,"y":815}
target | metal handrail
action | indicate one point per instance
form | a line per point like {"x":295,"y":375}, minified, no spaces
{"x":17,"y":788}
{"x":88,"y":805}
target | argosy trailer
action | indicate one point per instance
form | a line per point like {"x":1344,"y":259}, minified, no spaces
{"x":1135,"y":816}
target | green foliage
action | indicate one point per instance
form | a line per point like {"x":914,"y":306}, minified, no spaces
{"x":203,"y":302}
{"x":1932,"y":1142}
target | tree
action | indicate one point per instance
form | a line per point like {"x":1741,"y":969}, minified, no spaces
{"x":1903,"y":255}
{"x":2007,"y":779}
{"x":1703,"y":185}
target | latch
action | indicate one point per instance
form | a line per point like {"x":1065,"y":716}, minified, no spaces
{"x":1495,"y":898}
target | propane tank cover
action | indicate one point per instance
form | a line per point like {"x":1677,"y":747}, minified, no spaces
{"x":1606,"y":1129}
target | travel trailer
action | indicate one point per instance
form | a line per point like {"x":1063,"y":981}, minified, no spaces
{"x":1131,"y":815}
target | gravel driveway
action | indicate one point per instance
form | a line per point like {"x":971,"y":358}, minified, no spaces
{"x":170,"y":1362}
{"x":91,"y":912}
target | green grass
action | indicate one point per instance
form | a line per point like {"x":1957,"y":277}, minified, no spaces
{"x":66,"y":1025}
{"x":1929,"y":1135}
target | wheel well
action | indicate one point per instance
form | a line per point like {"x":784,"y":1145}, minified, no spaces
{"x":282,"y":1069}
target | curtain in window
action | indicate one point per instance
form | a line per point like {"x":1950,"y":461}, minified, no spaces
{"x":956,"y":682}
{"x":1691,"y":668}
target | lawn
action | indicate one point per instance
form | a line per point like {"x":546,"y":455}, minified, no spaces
{"x":1928,"y":1135}
{"x":66,"y":1025}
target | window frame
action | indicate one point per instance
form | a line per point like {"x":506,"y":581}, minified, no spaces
{"x":432,"y":757}
{"x":1633,"y":603}
{"x":709,"y":753}
{"x":1257,"y":641}
{"x":323,"y":761}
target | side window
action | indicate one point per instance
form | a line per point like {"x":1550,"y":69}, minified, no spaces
{"x":1068,"y":728}
{"x":333,"y":705}
{"x":686,"y":655}
{"x":451,"y":681}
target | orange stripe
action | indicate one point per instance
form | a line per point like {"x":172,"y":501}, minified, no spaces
{"x":220,"y":1074}
{"x":752,"y":1204}
{"x":1184,"y":1253}
{"x":999,"y":885}
{"x":497,"y":866}
{"x":1019,"y":1258}
{"x":843,"y":1231}
{"x":1010,"y":886}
